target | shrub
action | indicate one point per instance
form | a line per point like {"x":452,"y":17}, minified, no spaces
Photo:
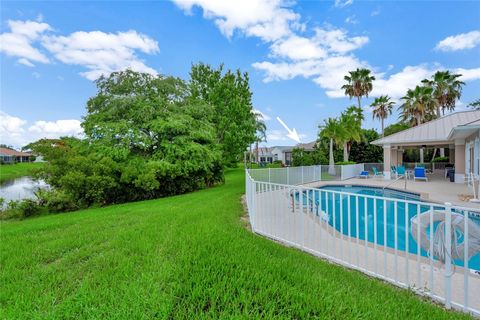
{"x":57,"y":201}
{"x":28,"y":208}
{"x":441,"y":159}
{"x":342,"y":163}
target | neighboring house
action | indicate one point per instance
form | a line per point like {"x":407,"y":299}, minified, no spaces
{"x":282,"y":153}
{"x":459,"y":131}
{"x":264,"y":155}
{"x":8,"y":155}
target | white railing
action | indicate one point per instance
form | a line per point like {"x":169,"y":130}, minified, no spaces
{"x":302,"y":175}
{"x":372,"y":234}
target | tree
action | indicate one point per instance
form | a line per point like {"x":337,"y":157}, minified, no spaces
{"x":475,"y":104}
{"x":382,"y":108}
{"x":230,"y":96}
{"x":145,"y":137}
{"x":334,"y":132}
{"x":351,"y":120}
{"x":359,"y":84}
{"x":394,"y":128}
{"x":418,"y":106}
{"x":365,"y":152}
{"x":447,"y":89}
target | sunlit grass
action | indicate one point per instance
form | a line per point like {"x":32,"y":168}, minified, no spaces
{"x":182,"y":257}
{"x":12,"y":171}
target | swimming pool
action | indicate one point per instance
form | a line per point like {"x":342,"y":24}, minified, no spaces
{"x":370,"y":213}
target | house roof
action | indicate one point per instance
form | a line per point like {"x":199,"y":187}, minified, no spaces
{"x":264,"y":151}
{"x":307,"y":146}
{"x":435,"y":131}
{"x":11,"y":152}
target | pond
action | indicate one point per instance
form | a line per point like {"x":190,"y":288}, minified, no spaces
{"x":20,"y":188}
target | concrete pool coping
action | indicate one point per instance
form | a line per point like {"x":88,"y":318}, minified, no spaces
{"x":436,"y":191}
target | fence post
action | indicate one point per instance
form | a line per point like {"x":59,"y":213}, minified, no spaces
{"x":448,"y":255}
{"x":288,"y":175}
{"x":252,"y":213}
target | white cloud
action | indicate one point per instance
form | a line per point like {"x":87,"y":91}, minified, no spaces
{"x":279,"y":135}
{"x":375,"y":12}
{"x":19,"y":41}
{"x":324,"y":43}
{"x":15,"y":131}
{"x":99,"y":52}
{"x":468,"y":74}
{"x":36,"y":75}
{"x":102,"y":53}
{"x":267,"y":19}
{"x":343,"y":3}
{"x":351,"y":19}
{"x":460,"y":41}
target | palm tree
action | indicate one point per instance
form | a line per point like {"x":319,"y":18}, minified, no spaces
{"x":359,"y":84}
{"x":351,"y":119}
{"x":332,"y":130}
{"x":418,"y":107}
{"x":475,"y":105}
{"x":382,"y":108}
{"x":261,"y":129}
{"x":446,"y":90}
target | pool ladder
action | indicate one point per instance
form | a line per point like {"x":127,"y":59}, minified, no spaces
{"x":398,"y":178}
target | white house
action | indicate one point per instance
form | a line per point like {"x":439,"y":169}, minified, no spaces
{"x":459,"y":132}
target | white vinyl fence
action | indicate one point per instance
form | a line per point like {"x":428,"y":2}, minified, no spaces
{"x":373,"y":234}
{"x":301,"y":175}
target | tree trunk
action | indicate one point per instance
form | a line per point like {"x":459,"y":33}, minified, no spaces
{"x":256,"y":146}
{"x":331,"y":161}
{"x":421,"y":155}
{"x":345,"y":151}
{"x":434,"y":152}
{"x":358,"y":99}
{"x":383,"y":133}
{"x":250,"y":156}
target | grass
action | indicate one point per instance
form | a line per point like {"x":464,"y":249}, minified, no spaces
{"x":12,"y":171}
{"x":181,"y":257}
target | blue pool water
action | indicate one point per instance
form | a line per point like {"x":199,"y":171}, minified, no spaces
{"x":339,"y":203}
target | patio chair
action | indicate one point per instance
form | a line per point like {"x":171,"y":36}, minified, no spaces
{"x":394,"y":170}
{"x":377,"y":173}
{"x":419,"y":173}
{"x":364,"y":174}
{"x":401,"y":172}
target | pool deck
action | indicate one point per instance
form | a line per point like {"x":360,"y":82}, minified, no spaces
{"x":437,"y":189}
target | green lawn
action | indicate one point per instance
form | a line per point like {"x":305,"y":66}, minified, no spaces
{"x":181,"y":257}
{"x":12,"y":171}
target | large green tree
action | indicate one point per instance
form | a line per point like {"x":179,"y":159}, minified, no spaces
{"x":145,"y":137}
{"x":230,"y":96}
{"x":382,"y":108}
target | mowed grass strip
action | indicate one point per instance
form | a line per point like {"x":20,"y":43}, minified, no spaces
{"x":12,"y":171}
{"x":182,"y":257}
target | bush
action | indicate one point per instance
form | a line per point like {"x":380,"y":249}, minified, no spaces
{"x":57,"y":201}
{"x":342,"y":163}
{"x":20,"y":209}
{"x":441,"y":159}
{"x":28,"y":208}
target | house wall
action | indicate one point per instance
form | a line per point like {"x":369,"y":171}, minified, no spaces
{"x":472,"y":153}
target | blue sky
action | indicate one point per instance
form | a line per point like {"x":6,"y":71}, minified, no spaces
{"x":295,"y":52}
